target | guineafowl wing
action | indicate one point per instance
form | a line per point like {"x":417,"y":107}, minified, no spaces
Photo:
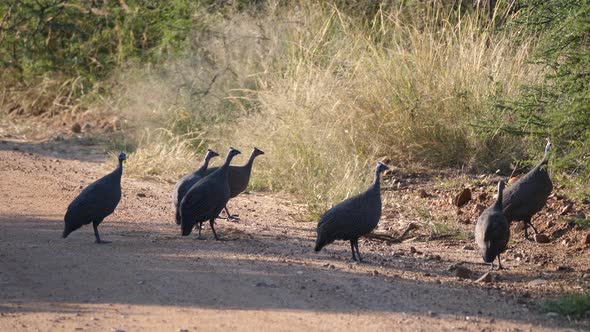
{"x":83,"y":210}
{"x":343,"y":222}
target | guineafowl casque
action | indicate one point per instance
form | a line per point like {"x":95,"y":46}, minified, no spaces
{"x":528,"y":195}
{"x":206,"y":198}
{"x":95,"y":202}
{"x":184,"y":184}
{"x":492,"y":231}
{"x":238,"y":177}
{"x":352,"y":218}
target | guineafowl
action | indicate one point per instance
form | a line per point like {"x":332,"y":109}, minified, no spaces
{"x":492,"y":231}
{"x":206,"y":198}
{"x":352,"y":218}
{"x":238,"y":177}
{"x":528,"y":195}
{"x":184,"y":184}
{"x":95,"y":202}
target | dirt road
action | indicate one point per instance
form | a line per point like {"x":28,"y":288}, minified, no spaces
{"x":265,"y":277}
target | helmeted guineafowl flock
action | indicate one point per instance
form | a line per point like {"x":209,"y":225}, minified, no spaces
{"x":202,"y":195}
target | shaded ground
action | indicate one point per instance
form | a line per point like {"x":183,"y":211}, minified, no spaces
{"x":266,"y":276}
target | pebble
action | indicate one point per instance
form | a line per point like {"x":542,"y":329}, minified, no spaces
{"x":76,"y":128}
{"x":375,"y":273}
{"x":552,"y":314}
{"x":541,"y":238}
{"x":462,"y":198}
{"x":468,"y":247}
{"x":537,"y":282}
{"x":460,"y":271}
{"x":586,"y":240}
{"x":413,"y":250}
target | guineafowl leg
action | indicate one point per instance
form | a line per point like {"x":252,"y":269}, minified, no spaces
{"x":499,"y":263}
{"x":229,"y":216}
{"x":212,"y":223}
{"x":199,"y":225}
{"x":352,"y":248}
{"x":96,"y":235}
{"x":358,"y":253}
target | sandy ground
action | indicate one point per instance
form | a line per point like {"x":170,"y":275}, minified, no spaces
{"x":264,"y":277}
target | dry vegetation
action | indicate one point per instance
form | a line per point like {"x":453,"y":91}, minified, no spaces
{"x":327,"y":95}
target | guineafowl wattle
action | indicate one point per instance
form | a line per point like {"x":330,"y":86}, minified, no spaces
{"x":238,"y":177}
{"x":184,"y":184}
{"x":206,"y":198}
{"x":95,"y":202}
{"x":492,"y":231}
{"x":352,"y":218}
{"x":528,"y":195}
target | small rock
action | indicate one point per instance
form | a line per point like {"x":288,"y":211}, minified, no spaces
{"x":478,"y":208}
{"x":141,"y":282}
{"x":564,"y":269}
{"x":423,"y":194}
{"x":375,"y":272}
{"x":140,"y":194}
{"x":482,"y":197}
{"x":413,"y":250}
{"x":432,"y":314}
{"x":567,"y":208}
{"x":182,"y":330}
{"x":460,"y":271}
{"x":586,"y":276}
{"x":519,"y":226}
{"x":586,"y":239}
{"x":541,"y":238}
{"x":486,"y":278}
{"x":87,"y":127}
{"x":468,"y":247}
{"x":462,"y":198}
{"x":76,"y":128}
{"x":537,"y":282}
{"x":299,"y":272}
{"x":265,"y":285}
{"x":552,"y":314}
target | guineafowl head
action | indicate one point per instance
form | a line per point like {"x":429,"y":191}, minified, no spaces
{"x":257,"y":152}
{"x":233,"y":152}
{"x":210,"y":154}
{"x":381,"y":167}
{"x":122,"y":156}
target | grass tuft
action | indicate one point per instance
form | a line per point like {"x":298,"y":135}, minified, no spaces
{"x":576,"y":305}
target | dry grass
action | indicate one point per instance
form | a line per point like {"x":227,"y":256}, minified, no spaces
{"x":326,"y":95}
{"x":409,"y":88}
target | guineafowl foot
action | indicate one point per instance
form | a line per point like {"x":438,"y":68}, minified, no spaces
{"x":99,"y":241}
{"x":200,"y":237}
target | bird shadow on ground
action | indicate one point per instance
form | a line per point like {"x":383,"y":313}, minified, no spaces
{"x":247,"y":273}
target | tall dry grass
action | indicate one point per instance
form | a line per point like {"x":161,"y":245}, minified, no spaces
{"x":326,"y":94}
{"x":409,"y":87}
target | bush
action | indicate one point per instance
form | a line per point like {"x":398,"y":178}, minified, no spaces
{"x":558,"y":106}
